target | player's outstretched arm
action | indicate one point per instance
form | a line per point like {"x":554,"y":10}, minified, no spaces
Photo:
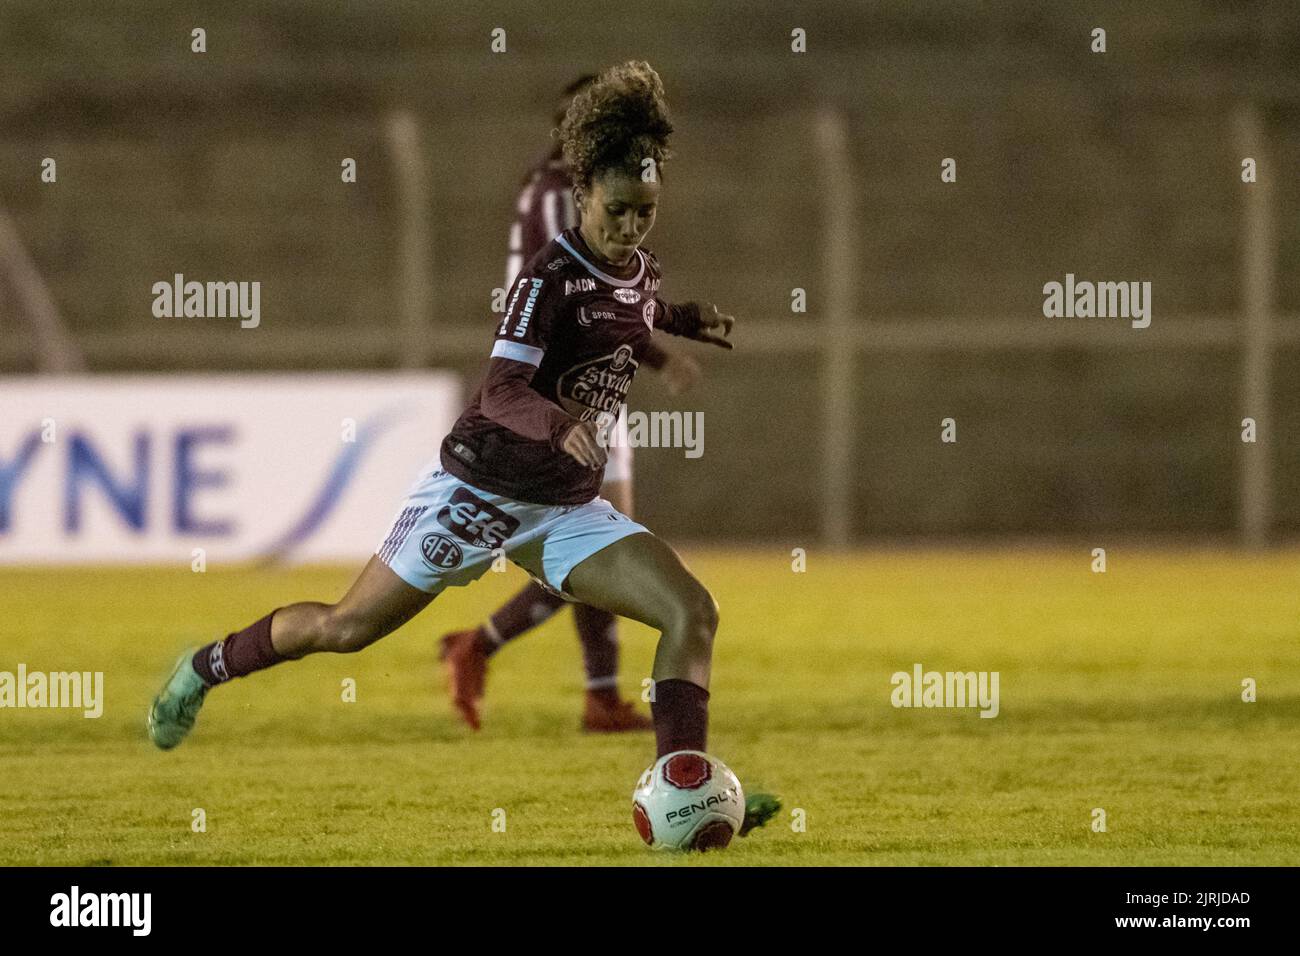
{"x":700,"y":321}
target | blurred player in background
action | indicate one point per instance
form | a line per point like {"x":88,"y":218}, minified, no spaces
{"x":545,"y":208}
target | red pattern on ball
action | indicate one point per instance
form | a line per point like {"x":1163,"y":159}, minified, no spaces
{"x":642,"y":821}
{"x":687,"y":771}
{"x":714,"y":835}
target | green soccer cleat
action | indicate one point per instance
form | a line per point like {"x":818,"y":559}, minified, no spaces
{"x":172,"y":713}
{"x":759,"y":808}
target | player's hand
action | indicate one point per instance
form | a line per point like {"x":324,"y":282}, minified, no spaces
{"x":711,"y":319}
{"x":581,"y":443}
{"x":680,"y":372}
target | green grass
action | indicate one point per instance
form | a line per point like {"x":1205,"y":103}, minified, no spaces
{"x":1118,"y":690}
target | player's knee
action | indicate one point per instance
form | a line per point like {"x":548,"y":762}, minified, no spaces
{"x":345,"y":633}
{"x":707,"y":613}
{"x":696,"y":616}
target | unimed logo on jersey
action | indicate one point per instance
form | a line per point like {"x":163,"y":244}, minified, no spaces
{"x":476,"y":522}
{"x":522,"y":328}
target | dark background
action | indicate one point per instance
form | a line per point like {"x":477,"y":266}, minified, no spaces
{"x":1115,"y":166}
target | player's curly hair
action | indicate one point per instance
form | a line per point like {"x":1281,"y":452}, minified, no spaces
{"x":616,"y":122}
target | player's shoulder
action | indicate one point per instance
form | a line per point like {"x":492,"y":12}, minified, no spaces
{"x":552,"y":264}
{"x":652,"y":264}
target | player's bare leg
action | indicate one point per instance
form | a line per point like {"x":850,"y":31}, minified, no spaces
{"x":377,"y":604}
{"x":641,"y":577}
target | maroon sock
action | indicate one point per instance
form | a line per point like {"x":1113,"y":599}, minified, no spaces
{"x":598,"y":632}
{"x":525,"y":610}
{"x":238,"y":654}
{"x":681,"y":714}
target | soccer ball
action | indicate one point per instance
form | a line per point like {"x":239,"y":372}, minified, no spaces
{"x":688,"y":801}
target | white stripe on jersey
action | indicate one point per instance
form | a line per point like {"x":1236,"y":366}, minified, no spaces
{"x":517,"y":351}
{"x":605,"y":277}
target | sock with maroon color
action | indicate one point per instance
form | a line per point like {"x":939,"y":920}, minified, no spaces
{"x":238,"y":654}
{"x":681,"y":714}
{"x":598,"y":632}
{"x":525,"y":610}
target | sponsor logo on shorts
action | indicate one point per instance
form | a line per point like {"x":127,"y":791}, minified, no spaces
{"x":476,"y":522}
{"x":440,"y":552}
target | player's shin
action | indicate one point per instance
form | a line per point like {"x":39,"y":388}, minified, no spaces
{"x":238,"y":654}
{"x":598,"y":633}
{"x":530,"y":607}
{"x":681,"y":715}
{"x":680,"y":706}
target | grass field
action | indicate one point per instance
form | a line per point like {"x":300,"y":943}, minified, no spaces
{"x":1119,"y":690}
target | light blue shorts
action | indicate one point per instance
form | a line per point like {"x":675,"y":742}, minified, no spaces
{"x":448,"y":533}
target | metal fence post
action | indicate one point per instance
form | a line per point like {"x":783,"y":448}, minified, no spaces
{"x":415,"y":270}
{"x":1258,"y":273}
{"x":837,"y":345}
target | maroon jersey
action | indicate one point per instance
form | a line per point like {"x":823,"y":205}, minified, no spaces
{"x":544,"y":210}
{"x":570,"y":343}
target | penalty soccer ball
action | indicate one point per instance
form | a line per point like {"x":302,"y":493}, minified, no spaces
{"x":688,"y":801}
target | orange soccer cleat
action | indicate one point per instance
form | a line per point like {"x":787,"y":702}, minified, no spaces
{"x":466,"y":660}
{"x":606,"y":715}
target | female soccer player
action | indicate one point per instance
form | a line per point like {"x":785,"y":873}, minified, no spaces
{"x":546,"y":207}
{"x":521,"y":467}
